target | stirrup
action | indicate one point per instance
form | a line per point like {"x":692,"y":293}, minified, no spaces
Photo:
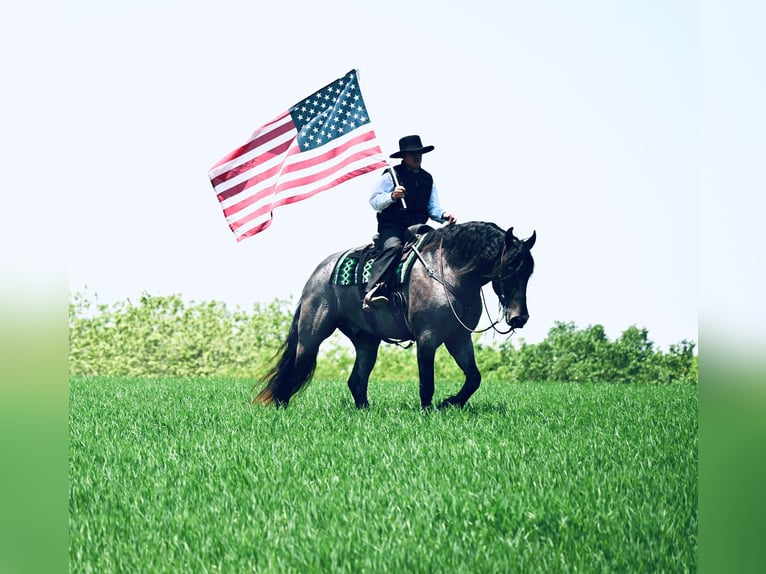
{"x":375,"y":302}
{"x":372,"y":301}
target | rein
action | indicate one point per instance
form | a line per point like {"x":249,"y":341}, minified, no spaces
{"x":449,"y":289}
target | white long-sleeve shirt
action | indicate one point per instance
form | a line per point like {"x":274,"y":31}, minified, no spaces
{"x":380,"y":198}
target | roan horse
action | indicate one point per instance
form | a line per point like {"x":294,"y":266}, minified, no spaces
{"x":440,"y":303}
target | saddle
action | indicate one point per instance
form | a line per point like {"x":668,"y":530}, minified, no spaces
{"x":354,"y":265}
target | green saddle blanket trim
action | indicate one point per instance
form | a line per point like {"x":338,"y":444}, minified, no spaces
{"x":354,"y":265}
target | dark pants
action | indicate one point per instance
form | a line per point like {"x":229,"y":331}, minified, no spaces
{"x":391,"y":238}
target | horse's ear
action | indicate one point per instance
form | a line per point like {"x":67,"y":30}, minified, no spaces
{"x":530,"y":242}
{"x":509,"y":237}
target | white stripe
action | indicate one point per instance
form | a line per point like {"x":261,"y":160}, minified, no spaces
{"x":255,"y":152}
{"x":300,"y":190}
{"x":262,"y":184}
{"x":253,"y":172}
{"x":329,"y":163}
{"x":333,"y":163}
{"x":254,"y":223}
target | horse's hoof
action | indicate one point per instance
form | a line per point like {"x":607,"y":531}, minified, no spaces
{"x":451,"y":402}
{"x":363,"y":405}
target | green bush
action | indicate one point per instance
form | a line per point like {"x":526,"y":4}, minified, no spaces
{"x":569,"y":354}
{"x":164,"y":336}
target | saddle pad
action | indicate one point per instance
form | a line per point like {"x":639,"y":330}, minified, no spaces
{"x":354,"y":265}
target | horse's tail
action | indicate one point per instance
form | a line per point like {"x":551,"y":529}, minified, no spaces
{"x":290,"y":373}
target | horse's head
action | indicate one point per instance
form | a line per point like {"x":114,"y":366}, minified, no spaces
{"x":510,"y":281}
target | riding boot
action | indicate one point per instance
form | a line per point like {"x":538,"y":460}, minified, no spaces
{"x":374,"y":298}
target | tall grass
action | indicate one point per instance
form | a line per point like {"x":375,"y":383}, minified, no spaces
{"x":173,"y":475}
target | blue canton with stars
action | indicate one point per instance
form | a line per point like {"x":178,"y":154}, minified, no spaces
{"x":331,"y":112}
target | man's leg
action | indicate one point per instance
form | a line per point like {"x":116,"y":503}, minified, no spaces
{"x":381,"y":270}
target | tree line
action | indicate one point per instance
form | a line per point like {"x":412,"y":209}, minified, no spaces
{"x":166,"y":336}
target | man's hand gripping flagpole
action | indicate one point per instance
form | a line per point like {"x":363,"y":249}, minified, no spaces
{"x":396,"y":183}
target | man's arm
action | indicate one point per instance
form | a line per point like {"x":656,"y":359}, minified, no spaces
{"x":380,"y":198}
{"x":435,"y":210}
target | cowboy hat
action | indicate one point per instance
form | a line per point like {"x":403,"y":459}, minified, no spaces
{"x":411,"y":144}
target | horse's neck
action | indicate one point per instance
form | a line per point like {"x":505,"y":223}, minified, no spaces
{"x":471,"y":263}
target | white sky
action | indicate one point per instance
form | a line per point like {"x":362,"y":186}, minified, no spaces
{"x":575,"y":119}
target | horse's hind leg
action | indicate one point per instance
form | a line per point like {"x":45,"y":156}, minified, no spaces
{"x":311,"y":326}
{"x":366,"y":347}
{"x":460,"y":347}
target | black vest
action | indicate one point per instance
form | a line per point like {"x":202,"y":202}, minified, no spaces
{"x":418,"y":185}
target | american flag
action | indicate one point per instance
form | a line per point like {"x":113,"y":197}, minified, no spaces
{"x":317,"y":144}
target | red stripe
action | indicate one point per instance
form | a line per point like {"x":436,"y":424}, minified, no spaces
{"x":303,"y":181}
{"x":248,"y":183}
{"x":250,"y":216}
{"x":331,"y":152}
{"x":249,"y":200}
{"x":295,"y":198}
{"x":282,"y":186}
{"x":257,"y":139}
{"x":337,"y":181}
{"x":294,"y":167}
{"x":255,"y":162}
{"x":254,"y":230}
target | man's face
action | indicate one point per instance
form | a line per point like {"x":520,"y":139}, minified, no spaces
{"x":413,"y":159}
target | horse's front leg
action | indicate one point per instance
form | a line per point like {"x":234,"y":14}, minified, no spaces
{"x":426,"y":355}
{"x":460,"y":347}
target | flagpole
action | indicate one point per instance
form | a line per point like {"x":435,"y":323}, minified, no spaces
{"x":396,"y":182}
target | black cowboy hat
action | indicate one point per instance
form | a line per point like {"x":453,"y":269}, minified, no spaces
{"x":411,"y":144}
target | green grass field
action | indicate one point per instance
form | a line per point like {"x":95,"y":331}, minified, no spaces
{"x":184,"y":476}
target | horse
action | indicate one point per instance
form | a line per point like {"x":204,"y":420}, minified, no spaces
{"x":440,"y":303}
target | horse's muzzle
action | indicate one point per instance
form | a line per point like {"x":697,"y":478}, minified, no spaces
{"x":518,"y":321}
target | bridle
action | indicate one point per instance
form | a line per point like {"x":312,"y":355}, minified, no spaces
{"x":449,"y":289}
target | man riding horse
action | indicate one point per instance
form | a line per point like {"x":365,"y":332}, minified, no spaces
{"x":395,"y":213}
{"x":440,"y":296}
